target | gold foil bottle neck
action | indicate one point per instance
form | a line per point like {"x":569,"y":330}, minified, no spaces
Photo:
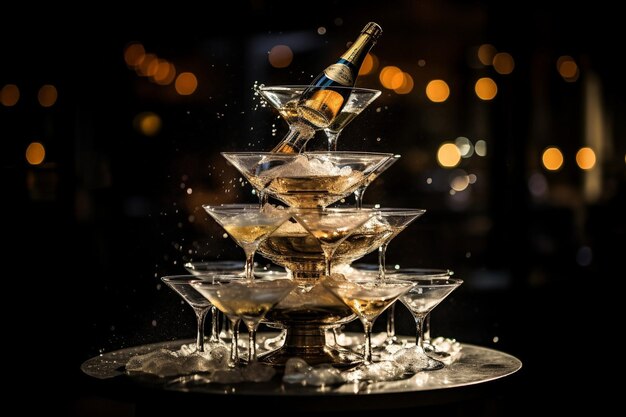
{"x":373,"y":29}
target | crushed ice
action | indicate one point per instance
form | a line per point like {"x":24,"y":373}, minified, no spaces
{"x":185,"y":361}
{"x":307,"y":166}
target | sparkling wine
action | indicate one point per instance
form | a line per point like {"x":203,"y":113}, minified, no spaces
{"x":313,"y":191}
{"x":291,"y":247}
{"x":247,"y":234}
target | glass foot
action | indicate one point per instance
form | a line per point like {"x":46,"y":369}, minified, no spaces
{"x":445,"y":349}
{"x":375,"y":372}
{"x":414,"y":360}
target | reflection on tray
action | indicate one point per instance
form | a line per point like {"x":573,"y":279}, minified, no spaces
{"x":476,"y":365}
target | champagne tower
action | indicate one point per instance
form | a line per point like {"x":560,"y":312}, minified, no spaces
{"x":309,"y":182}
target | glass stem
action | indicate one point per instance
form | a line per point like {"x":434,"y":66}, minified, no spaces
{"x":215,"y":331}
{"x":332,"y":139}
{"x":367,"y":350}
{"x":263,"y":197}
{"x":382,"y":249}
{"x":226,"y":331}
{"x":336,"y":330}
{"x":328,"y":255}
{"x":358,"y":197}
{"x":391,"y":324}
{"x":200,"y":316}
{"x":234,"y":343}
{"x":426,"y":332}
{"x":251,"y":344}
{"x":249,"y":265}
{"x":419,"y":332}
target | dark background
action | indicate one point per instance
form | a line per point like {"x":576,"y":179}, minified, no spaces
{"x":91,"y":229}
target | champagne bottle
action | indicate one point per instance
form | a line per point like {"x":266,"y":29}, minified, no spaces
{"x":321,"y":102}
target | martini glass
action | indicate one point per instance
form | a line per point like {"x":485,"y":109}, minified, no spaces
{"x":358,"y":193}
{"x":331,"y":227}
{"x":421,"y":300}
{"x":208,"y":269}
{"x":309,"y":179}
{"x":398,"y":219}
{"x":367,"y":299}
{"x":372,"y":271}
{"x":248,"y":225}
{"x":284,"y":98}
{"x":248,"y":301}
{"x":181,"y":284}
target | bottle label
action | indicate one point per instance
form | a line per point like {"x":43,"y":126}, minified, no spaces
{"x":340,"y":73}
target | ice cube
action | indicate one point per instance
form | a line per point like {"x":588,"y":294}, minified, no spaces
{"x":412,"y":359}
{"x":375,"y":372}
{"x":323,"y":375}
{"x":295,"y":371}
{"x":140,"y":363}
{"x":306,"y":166}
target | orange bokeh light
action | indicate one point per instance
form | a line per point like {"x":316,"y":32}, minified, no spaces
{"x":486,"y":88}
{"x":552,"y":158}
{"x":35,"y":153}
{"x":437,"y":91}
{"x":9,"y":95}
{"x":186,"y":83}
{"x":47,"y":95}
{"x":585,"y":158}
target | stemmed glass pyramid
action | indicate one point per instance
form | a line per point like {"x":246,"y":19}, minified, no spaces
{"x":316,"y":237}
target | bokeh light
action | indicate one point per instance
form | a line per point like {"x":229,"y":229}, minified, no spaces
{"x":280,"y":56}
{"x":437,"y":91}
{"x":387,"y":75}
{"x":486,"y":53}
{"x":460,"y":180}
{"x":567,"y":68}
{"x":465,"y":146}
{"x":486,"y":88}
{"x":370,"y":64}
{"x":165,"y":73}
{"x":480,"y":147}
{"x":552,"y":158}
{"x":47,"y":95}
{"x":35,"y":153}
{"x":144,"y":66}
{"x":134,"y":54}
{"x":407,"y":84}
{"x":538,"y":185}
{"x":186,"y":83}
{"x":448,"y":155}
{"x":503,"y":63}
{"x":585,"y":158}
{"x":147,"y":123}
{"x":9,"y":95}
